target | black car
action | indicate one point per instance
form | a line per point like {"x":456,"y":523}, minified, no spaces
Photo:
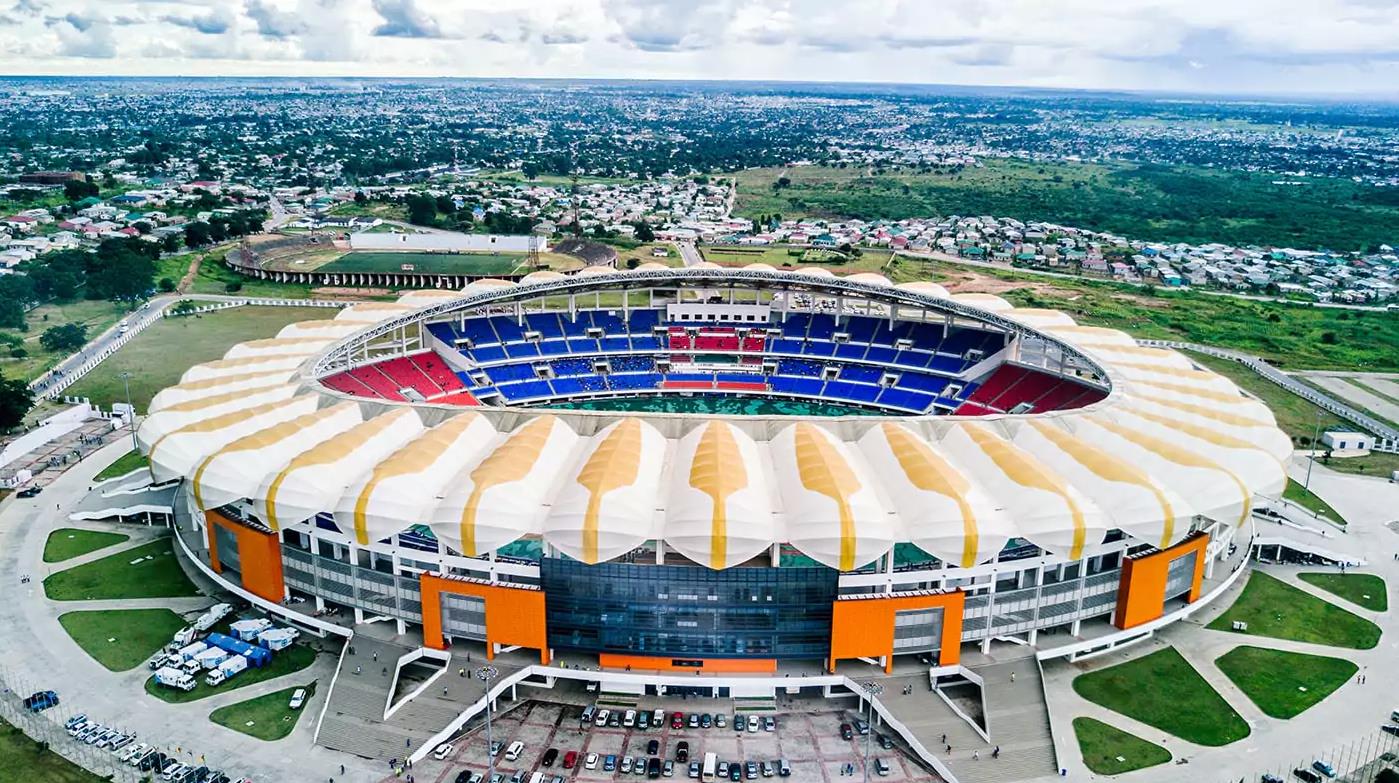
{"x":846,"y":732}
{"x":549,"y":756}
{"x":1307,"y":775}
{"x":736,"y":771}
{"x":682,"y":751}
{"x":1267,"y":778}
{"x":653,"y":767}
{"x":884,"y":741}
{"x":29,"y":492}
{"x":463,"y":777}
{"x":1390,"y":728}
{"x":653,"y":747}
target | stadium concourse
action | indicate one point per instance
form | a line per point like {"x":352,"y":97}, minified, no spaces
{"x":915,"y":475}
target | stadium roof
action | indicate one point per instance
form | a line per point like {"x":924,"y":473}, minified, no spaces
{"x":1169,"y":443}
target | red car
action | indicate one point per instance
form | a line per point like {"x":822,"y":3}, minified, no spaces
{"x":677,"y":720}
{"x":569,"y":759}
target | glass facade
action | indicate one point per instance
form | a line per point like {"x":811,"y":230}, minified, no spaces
{"x":683,"y":611}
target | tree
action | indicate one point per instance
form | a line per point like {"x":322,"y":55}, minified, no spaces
{"x":166,"y":285}
{"x":16,"y":291}
{"x":15,"y":401}
{"x":644,"y":232}
{"x":59,"y":276}
{"x":66,"y":337}
{"x":79,"y":189}
{"x":422,"y":209}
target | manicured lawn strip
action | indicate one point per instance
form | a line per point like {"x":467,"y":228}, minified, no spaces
{"x":121,"y":576}
{"x":1274,"y":608}
{"x":21,"y":758}
{"x":67,"y":543}
{"x":292,"y":659}
{"x":1284,"y":684}
{"x":272,"y":719}
{"x":1366,"y":590}
{"x":1163,"y":690}
{"x":1101,"y":745}
{"x":1306,"y":499}
{"x":126,"y":463}
{"x":121,"y":639}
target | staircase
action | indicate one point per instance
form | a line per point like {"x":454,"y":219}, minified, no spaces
{"x":1019,"y":723}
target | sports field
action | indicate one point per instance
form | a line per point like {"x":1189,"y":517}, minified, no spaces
{"x":429,"y":263}
{"x":720,"y":405}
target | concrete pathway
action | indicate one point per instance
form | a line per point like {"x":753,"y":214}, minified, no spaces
{"x":38,"y":653}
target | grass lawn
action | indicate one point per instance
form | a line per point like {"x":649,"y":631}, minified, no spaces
{"x":1365,"y":590}
{"x":266,"y":717}
{"x":1271,"y":607}
{"x":1307,"y":499}
{"x":1284,"y":684}
{"x":126,"y":463}
{"x":146,"y":571}
{"x":159,"y":355}
{"x":21,"y":758}
{"x":443,"y":263}
{"x":214,"y":277}
{"x":122,"y":639}
{"x":1110,"y":751}
{"x":96,"y":315}
{"x":67,"y":543}
{"x":292,"y":659}
{"x":1163,"y":690}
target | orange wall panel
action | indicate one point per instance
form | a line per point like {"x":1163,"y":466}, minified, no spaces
{"x":259,"y":556}
{"x":1141,"y":591}
{"x":713,"y":665}
{"x":864,"y":627}
{"x":514,"y":615}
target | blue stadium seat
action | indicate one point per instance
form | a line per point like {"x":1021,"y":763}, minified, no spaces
{"x":615,"y":344}
{"x":822,"y":327}
{"x":521,"y":350}
{"x":547,"y":324}
{"x":857,"y":373}
{"x":506,"y":327}
{"x":851,"y":350}
{"x":486,"y":353}
{"x":645,"y":344}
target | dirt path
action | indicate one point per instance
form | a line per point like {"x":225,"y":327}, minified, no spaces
{"x":190,"y":274}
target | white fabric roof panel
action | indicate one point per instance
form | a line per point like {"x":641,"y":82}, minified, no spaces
{"x":325,"y":329}
{"x":943,"y":511}
{"x":404,"y":488}
{"x":313,"y":480}
{"x":719,"y":508}
{"x":212,"y":387}
{"x":157,"y":425}
{"x":372,"y":312}
{"x":833,"y":513}
{"x":607,"y":504}
{"x":278,"y":346}
{"x":177,"y":453}
{"x":235,"y":471}
{"x":223,"y":368}
{"x":1047,"y":509}
{"x":502,"y":496}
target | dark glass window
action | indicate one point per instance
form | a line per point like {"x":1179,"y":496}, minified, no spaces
{"x":688,"y":611}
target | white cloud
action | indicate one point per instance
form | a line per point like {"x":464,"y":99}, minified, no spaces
{"x":1268,"y":45}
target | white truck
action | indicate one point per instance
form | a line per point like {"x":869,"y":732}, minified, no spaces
{"x":189,"y":651}
{"x":247,"y":630}
{"x":212,"y":657}
{"x":213,"y":615}
{"x":174,"y":678}
{"x":226,"y":670}
{"x":183,"y":637}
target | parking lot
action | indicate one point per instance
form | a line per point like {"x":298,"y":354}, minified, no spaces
{"x":810,"y":742}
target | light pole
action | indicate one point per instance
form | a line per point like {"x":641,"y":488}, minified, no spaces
{"x":130,"y":411}
{"x":872,"y":689}
{"x":1316,"y":435}
{"x":486,"y":674}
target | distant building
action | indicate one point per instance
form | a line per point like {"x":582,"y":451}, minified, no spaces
{"x":51,"y":177}
{"x":1347,"y":441}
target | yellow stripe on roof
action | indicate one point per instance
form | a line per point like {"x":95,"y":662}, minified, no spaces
{"x":274,"y":376}
{"x":718,"y":470}
{"x":264,"y":438}
{"x":1232,"y":419}
{"x":824,"y":471}
{"x":928,"y":471}
{"x":1181,"y":456}
{"x":1025,"y":471}
{"x":1109,"y":468}
{"x":615,"y":463}
{"x":214,"y":400}
{"x":330,"y":451}
{"x":414,"y":457}
{"x":510,"y":461}
{"x":226,"y":420}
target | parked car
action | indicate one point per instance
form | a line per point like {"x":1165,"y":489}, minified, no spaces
{"x":767,"y":768}
{"x":884,"y":741}
{"x":1324,"y":768}
{"x":298,"y":699}
{"x":30,"y":491}
{"x":1267,"y":778}
{"x":550,"y":756}
{"x":668,"y":768}
{"x":846,"y":732}
{"x":706,"y":720}
{"x":1306,"y":775}
{"x":769,"y":723}
{"x":570,"y":759}
{"x":653,"y":768}
{"x":693,"y":721}
{"x":609,"y":762}
{"x":682,"y":751}
{"x":653,"y":747}
{"x":677,"y":720}
{"x":694,"y":770}
{"x":750,"y":770}
{"x":658,"y":718}
{"x":590,"y":761}
{"x":1390,"y":728}
{"x":40,"y":701}
{"x":720,"y":721}
{"x":881,"y":766}
{"x":783,"y":768}
{"x":601,"y":718}
{"x":735,"y":771}
{"x":738,"y":723}
{"x":643,"y":720}
{"x":442,"y":751}
{"x":626,"y":765}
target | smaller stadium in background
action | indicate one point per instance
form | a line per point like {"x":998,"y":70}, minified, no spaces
{"x":711,"y":468}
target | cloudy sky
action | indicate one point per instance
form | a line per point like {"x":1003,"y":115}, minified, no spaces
{"x":1327,"y":46}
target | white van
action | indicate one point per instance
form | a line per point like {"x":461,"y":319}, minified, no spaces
{"x":513,"y":752}
{"x":629,"y":718}
{"x":602,"y":715}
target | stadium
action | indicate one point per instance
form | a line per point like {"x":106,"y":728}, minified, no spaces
{"x":713,"y":470}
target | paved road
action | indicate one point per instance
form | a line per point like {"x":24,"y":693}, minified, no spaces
{"x":689,"y":253}
{"x":36,"y":651}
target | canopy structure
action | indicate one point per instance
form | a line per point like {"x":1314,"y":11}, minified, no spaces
{"x":1171,"y":444}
